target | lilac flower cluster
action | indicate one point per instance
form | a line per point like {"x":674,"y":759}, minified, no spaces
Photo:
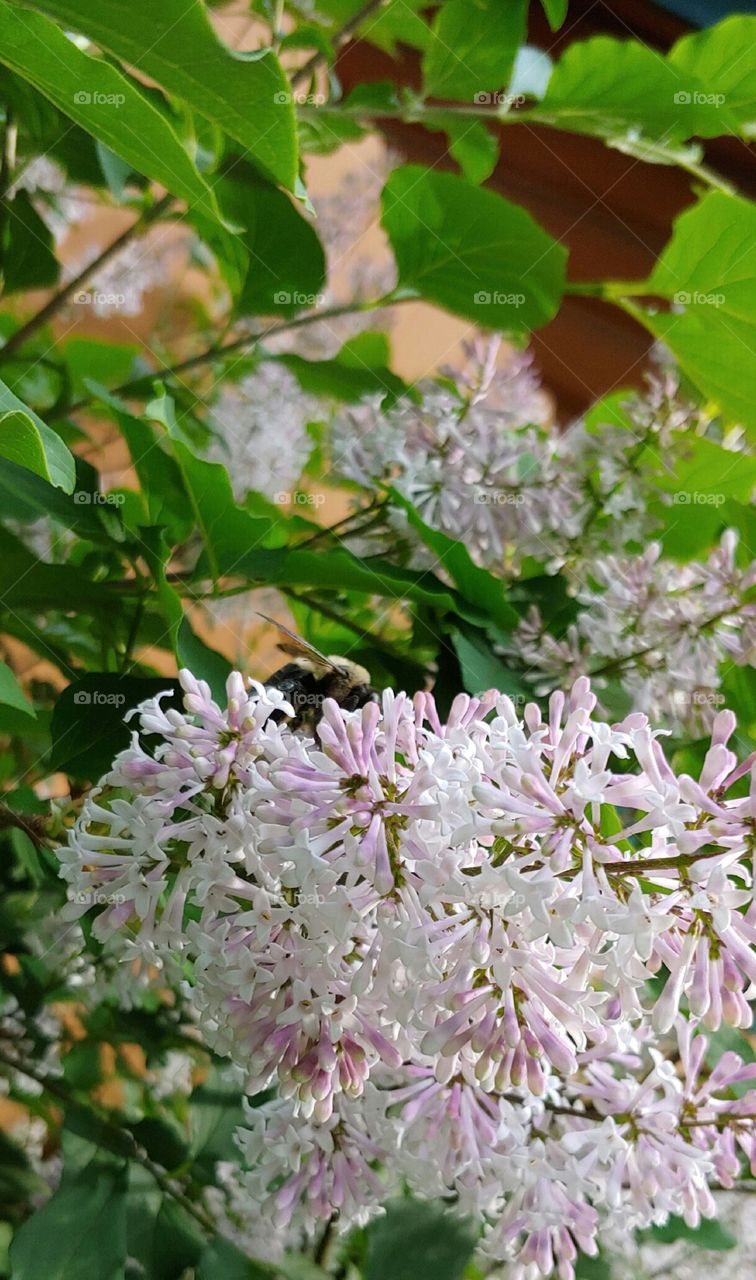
{"x":477,"y":459}
{"x":477,"y":958}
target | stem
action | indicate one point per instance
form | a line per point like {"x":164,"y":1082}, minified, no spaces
{"x":124,"y":1137}
{"x":143,"y":384}
{"x":6,"y":170}
{"x":59,"y":299}
{"x":335,"y":530}
{"x":644,"y":865}
{"x":327,"y":612}
{"x":342,"y":35}
{"x":616,"y":664}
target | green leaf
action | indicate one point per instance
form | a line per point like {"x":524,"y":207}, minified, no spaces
{"x":115,"y":171}
{"x":246,"y":94}
{"x":28,"y":583}
{"x":205,"y":663}
{"x":286,"y":262}
{"x":416,"y":1240}
{"x":221,"y":1260}
{"x":18,"y":1181}
{"x":720,"y":59}
{"x":159,"y":475}
{"x":27,"y":496}
{"x":162,"y":1140}
{"x":88,"y":728}
{"x":161,"y":1235}
{"x":709,"y":1235}
{"x":28,"y":255}
{"x":608,"y":88}
{"x":595,"y":1268}
{"x":483,"y":670}
{"x":229,"y":533}
{"x":474,"y":147}
{"x":708,"y":269}
{"x":471,"y":251}
{"x":485,"y":592}
{"x":216,"y":1112}
{"x":473,"y":47}
{"x":11,"y":693}
{"x":102,"y":99}
{"x":79,"y":1233}
{"x":556,"y":12}
{"x":343,"y":378}
{"x":40,"y":447}
{"x":90,"y":362}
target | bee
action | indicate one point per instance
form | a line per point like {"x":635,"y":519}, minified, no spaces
{"x":313,"y":676}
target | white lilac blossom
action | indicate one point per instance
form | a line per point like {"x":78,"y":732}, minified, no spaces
{"x":477,"y":460}
{"x":268,"y":461}
{"x":477,"y":958}
{"x":661,"y":627}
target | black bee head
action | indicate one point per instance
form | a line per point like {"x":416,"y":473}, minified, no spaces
{"x":358,"y":696}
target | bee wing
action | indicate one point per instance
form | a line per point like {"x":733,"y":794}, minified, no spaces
{"x":297,"y":647}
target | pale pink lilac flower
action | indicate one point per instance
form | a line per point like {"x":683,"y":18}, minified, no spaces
{"x":457,"y":976}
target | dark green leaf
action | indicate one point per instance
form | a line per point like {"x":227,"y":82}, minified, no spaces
{"x":79,"y":1233}
{"x":221,"y":1260}
{"x":286,"y":263}
{"x":478,"y":586}
{"x":482,"y":669}
{"x":556,"y":12}
{"x":88,"y":727}
{"x":216,"y":1113}
{"x":28,"y":257}
{"x":709,"y":1235}
{"x":416,"y":1240}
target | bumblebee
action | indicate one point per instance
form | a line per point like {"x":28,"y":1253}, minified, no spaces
{"x":313,"y":676}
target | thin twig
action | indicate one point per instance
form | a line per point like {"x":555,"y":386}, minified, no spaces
{"x":341,"y":37}
{"x":59,"y":299}
{"x":143,"y":384}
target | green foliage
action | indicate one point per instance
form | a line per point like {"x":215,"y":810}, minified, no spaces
{"x":708,"y":270}
{"x":246,"y":95}
{"x":105,"y":586}
{"x":111,"y":105}
{"x":471,"y":252}
{"x":473,"y":47}
{"x":417,"y":1241}
{"x":62,"y":1243}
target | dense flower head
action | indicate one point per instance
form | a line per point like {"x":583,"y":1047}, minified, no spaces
{"x":468,"y":953}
